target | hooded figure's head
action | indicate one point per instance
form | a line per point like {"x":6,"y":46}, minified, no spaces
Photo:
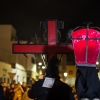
{"x":52,"y":70}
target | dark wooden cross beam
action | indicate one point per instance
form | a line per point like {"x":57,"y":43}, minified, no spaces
{"x":51,"y":48}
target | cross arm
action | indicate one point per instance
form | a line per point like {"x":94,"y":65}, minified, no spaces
{"x":30,"y":48}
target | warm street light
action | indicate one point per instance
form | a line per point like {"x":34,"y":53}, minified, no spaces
{"x":39,"y":63}
{"x":97,"y":63}
{"x":65,"y":74}
{"x":43,"y":67}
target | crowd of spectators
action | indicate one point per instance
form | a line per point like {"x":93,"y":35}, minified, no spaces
{"x":16,"y":91}
{"x":20,"y":91}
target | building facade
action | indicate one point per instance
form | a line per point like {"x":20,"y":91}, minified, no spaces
{"x":20,"y":66}
{"x":23,"y":68}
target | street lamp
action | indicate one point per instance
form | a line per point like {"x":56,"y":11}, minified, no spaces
{"x":39,"y":63}
{"x":97,"y":63}
{"x":65,"y":74}
{"x":43,"y":67}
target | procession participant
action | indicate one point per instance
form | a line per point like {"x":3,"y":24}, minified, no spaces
{"x":51,"y":87}
{"x":2,"y":97}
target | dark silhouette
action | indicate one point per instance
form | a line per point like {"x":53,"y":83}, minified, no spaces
{"x":2,"y":97}
{"x":87,"y":83}
{"x":50,"y":87}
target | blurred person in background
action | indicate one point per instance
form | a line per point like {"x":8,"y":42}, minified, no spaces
{"x":24,"y":86}
{"x":18,"y":91}
{"x":6,"y":91}
{"x":25,"y":95}
{"x":8,"y":86}
{"x":2,"y":97}
{"x":2,"y":84}
{"x":11,"y":91}
{"x":42,"y":76}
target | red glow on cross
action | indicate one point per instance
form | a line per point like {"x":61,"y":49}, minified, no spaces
{"x":52,"y":32}
{"x":51,"y":48}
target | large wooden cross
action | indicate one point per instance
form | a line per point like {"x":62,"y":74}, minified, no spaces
{"x":51,"y":48}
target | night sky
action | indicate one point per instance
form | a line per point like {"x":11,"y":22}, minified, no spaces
{"x":25,"y":15}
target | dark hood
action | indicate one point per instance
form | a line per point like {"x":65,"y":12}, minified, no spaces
{"x":52,"y":68}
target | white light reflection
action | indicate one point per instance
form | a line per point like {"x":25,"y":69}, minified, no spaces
{"x":65,"y":74}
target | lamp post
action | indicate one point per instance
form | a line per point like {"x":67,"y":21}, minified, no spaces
{"x":86,"y":45}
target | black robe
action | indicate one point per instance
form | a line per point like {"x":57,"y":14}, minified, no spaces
{"x":2,"y":97}
{"x":59,"y":91}
{"x":87,"y":83}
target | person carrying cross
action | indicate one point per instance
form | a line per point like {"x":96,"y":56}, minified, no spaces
{"x":51,"y":87}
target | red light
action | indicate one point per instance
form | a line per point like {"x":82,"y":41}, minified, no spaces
{"x":86,"y":44}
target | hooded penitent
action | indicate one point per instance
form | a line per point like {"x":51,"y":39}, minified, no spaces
{"x":51,"y":87}
{"x":52,"y":68}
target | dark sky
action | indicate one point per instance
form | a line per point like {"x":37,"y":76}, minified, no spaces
{"x":25,"y":15}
